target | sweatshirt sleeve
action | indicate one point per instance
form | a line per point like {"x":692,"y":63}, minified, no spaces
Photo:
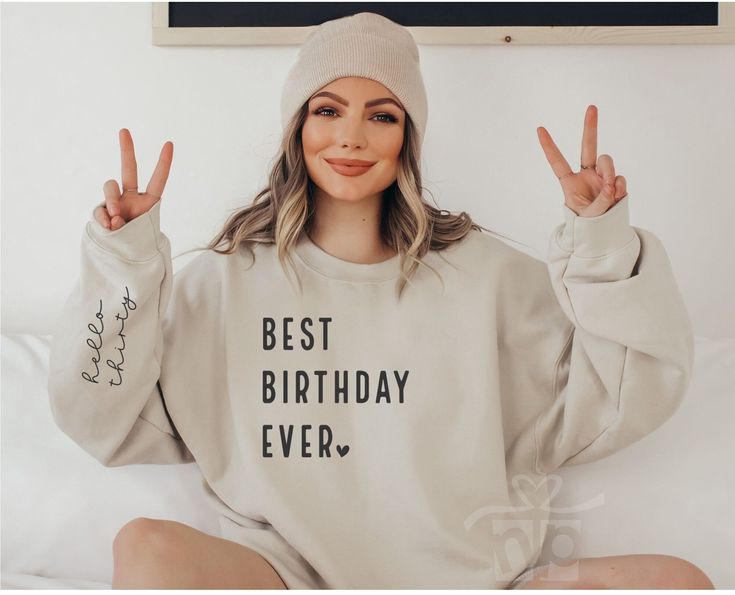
{"x":628,"y":358}
{"x":107,"y":347}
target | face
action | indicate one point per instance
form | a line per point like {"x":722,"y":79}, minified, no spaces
{"x":335,"y":130}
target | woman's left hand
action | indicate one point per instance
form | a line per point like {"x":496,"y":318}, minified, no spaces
{"x":593,"y":190}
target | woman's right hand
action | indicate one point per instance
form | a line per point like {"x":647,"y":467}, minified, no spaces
{"x":119,"y":208}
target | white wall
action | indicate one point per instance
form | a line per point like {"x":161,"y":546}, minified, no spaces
{"x":74,"y":74}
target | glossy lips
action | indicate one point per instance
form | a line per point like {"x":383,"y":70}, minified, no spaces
{"x":349,"y":170}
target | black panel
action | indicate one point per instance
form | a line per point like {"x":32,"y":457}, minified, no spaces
{"x":445,"y":14}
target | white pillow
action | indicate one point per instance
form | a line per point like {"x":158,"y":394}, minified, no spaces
{"x":61,"y":509}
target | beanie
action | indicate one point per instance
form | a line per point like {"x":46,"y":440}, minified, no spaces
{"x":366,"y":45}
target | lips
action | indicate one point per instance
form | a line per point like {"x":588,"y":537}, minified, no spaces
{"x":340,"y":161}
{"x":341,"y":166}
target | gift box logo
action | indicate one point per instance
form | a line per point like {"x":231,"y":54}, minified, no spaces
{"x":520,"y":530}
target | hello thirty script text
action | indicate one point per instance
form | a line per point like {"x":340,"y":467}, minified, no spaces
{"x":96,"y":343}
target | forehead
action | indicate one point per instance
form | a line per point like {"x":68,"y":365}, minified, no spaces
{"x":358,"y":87}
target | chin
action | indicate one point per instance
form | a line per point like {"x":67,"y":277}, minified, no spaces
{"x":347,"y":194}
{"x":350,"y":189}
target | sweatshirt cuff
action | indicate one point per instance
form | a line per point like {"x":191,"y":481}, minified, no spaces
{"x":592,"y":237}
{"x":138,"y":240}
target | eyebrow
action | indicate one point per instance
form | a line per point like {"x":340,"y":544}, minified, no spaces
{"x":371,"y":103}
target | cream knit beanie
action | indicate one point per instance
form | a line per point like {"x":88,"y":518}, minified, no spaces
{"x":367,"y":45}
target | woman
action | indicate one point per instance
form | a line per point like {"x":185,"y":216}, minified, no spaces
{"x":350,"y":436}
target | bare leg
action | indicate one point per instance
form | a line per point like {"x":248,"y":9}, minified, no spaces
{"x":634,"y":571}
{"x":160,"y":554}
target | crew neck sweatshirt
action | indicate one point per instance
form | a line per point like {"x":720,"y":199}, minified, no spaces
{"x":358,"y":439}
{"x":320,"y":261}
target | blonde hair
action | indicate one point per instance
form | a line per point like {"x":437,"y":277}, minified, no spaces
{"x":279,"y":212}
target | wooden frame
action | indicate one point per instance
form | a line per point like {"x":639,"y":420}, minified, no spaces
{"x":724,"y":33}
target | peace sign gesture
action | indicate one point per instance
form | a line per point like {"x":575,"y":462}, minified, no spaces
{"x":595,"y":188}
{"x":119,"y":208}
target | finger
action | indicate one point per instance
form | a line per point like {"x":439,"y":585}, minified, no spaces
{"x":553,"y":155}
{"x":127,"y":156}
{"x":606,"y":169}
{"x":100,"y":214}
{"x":112,"y":201}
{"x":620,"y":187}
{"x":160,"y":174}
{"x":589,"y":137}
{"x":602,"y":203}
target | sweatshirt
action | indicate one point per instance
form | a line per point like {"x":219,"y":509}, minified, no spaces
{"x":358,"y":440}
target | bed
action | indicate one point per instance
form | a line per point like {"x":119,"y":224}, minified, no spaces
{"x":669,"y":493}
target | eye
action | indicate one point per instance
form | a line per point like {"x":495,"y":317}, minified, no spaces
{"x":390,"y":119}
{"x":321,"y":110}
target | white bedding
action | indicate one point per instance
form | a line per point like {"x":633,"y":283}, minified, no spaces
{"x":14,"y":580}
{"x":669,"y":493}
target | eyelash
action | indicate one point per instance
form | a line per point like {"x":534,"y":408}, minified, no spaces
{"x":391,"y":119}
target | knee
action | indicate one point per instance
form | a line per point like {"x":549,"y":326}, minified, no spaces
{"x":151,"y":539}
{"x":678,"y":573}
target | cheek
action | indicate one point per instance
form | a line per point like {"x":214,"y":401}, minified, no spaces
{"x":314,"y":142}
{"x":391,"y":149}
{"x":312,"y":138}
{"x":392,"y":143}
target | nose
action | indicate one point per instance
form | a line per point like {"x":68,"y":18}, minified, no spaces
{"x":352,"y":132}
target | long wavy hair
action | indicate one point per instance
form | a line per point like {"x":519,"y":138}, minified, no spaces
{"x":285,"y":207}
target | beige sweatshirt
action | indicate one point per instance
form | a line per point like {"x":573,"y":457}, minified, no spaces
{"x":360,"y":441}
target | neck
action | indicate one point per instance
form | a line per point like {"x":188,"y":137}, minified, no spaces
{"x":349,"y":230}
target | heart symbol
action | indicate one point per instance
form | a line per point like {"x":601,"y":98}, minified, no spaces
{"x":342,"y":450}
{"x":551,"y":482}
